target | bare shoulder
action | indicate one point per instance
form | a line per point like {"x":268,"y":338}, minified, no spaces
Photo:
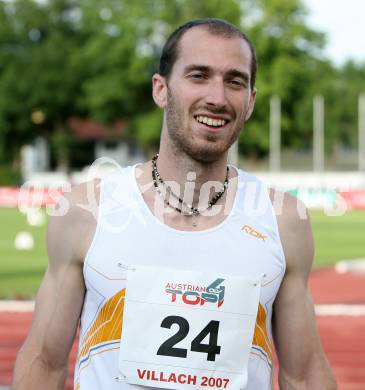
{"x":42,"y":360}
{"x":73,"y":221}
{"x":301,"y":365}
{"x":295,"y":230}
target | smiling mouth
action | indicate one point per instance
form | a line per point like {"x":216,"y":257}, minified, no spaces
{"x":213,"y":123}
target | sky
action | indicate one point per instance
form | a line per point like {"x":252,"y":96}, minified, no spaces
{"x":343,"y":21}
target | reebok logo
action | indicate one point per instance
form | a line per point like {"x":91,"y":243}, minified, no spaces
{"x":253,"y":232}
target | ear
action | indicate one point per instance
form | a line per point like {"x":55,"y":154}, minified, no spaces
{"x":251,"y":105}
{"x":159,"y":90}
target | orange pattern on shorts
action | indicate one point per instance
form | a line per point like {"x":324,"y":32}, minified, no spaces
{"x":261,"y":336}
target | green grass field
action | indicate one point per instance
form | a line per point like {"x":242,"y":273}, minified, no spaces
{"x":20,"y":271}
{"x":337,"y":238}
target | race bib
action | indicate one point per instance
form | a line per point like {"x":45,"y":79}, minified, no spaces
{"x":187,"y":329}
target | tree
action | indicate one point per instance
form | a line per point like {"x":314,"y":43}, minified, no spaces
{"x":37,"y":76}
{"x":286,"y":50}
{"x":94,"y":59}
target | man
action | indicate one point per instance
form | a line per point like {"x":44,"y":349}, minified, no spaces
{"x":160,"y":218}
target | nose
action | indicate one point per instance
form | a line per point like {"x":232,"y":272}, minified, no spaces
{"x":216,"y":94}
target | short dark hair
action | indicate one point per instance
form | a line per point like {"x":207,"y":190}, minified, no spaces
{"x":215,"y":27}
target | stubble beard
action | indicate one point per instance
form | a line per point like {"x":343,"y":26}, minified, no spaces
{"x":206,"y":151}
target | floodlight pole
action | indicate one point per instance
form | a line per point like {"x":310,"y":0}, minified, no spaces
{"x":275,"y":134}
{"x":362,"y":133}
{"x":318,"y":133}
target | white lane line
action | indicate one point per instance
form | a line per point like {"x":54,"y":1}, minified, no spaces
{"x":16,"y":306}
{"x":340,"y":310}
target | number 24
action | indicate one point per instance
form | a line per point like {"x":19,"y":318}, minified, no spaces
{"x":167,"y":347}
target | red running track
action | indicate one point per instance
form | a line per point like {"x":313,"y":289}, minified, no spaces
{"x":343,"y":337}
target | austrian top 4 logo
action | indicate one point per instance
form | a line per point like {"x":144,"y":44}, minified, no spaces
{"x":197,"y":295}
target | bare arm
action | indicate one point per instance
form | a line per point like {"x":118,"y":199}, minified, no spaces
{"x":42,"y":361}
{"x":302,"y":363}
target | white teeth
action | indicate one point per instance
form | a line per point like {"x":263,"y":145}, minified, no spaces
{"x":210,"y":121}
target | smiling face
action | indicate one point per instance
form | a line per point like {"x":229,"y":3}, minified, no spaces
{"x":207,"y":97}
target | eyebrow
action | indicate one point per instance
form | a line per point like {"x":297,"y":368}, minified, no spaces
{"x":207,"y":69}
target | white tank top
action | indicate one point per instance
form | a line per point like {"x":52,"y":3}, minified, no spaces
{"x":246,"y":243}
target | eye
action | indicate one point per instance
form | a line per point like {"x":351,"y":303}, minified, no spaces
{"x":197,"y":76}
{"x":237,"y":83}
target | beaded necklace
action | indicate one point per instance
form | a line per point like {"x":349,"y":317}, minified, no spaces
{"x":191,"y":211}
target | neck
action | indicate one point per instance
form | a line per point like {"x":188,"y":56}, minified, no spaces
{"x":188,"y":175}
